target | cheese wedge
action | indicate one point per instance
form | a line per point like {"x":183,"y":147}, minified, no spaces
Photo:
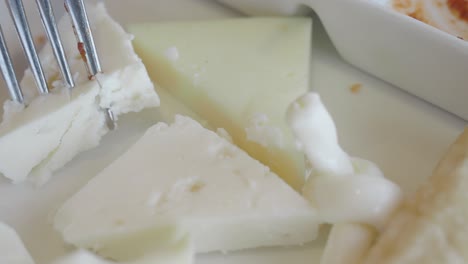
{"x":185,"y":177}
{"x":178,"y":253}
{"x":39,"y":139}
{"x":431,"y":227}
{"x":12,"y":250}
{"x":239,"y":74}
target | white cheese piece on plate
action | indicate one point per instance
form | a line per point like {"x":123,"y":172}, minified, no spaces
{"x":180,"y":252}
{"x":41,"y":138}
{"x":238,"y":74}
{"x":12,"y":249}
{"x":185,"y":176}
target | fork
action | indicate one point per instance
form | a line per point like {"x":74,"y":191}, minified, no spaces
{"x":85,"y":45}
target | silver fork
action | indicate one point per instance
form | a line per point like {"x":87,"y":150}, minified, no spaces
{"x":85,"y":45}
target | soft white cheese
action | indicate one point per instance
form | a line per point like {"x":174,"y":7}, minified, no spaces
{"x":12,"y":250}
{"x":316,"y":135}
{"x":51,"y":130}
{"x":185,"y":176}
{"x":348,"y":191}
{"x":363,"y":197}
{"x":344,"y":189}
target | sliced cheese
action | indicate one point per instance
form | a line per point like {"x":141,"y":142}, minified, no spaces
{"x":432,"y":226}
{"x":39,"y":139}
{"x":239,"y":74}
{"x":12,"y":249}
{"x":185,"y":176}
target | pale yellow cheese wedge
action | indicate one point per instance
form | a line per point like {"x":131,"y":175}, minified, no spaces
{"x":238,"y":74}
{"x":433,"y":226}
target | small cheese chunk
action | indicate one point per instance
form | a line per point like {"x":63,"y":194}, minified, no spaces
{"x":343,"y":189}
{"x":186,"y":176}
{"x":41,"y":138}
{"x":239,"y":74}
{"x":12,"y":250}
{"x":351,"y":193}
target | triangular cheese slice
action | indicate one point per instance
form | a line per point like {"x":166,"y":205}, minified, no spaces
{"x":239,"y":74}
{"x":185,"y":177}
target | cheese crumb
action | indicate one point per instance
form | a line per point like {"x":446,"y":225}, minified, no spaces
{"x":172,"y":54}
{"x":261,"y":132}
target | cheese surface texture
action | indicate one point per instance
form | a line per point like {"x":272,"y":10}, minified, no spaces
{"x":431,"y":226}
{"x":187,"y":178}
{"x":53,"y":129}
{"x":238,"y":74}
{"x":12,"y":250}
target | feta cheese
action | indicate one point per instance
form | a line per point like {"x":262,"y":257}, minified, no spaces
{"x":12,"y":250}
{"x":41,"y":138}
{"x":350,"y":192}
{"x":230,"y":70}
{"x":185,"y":177}
{"x":344,"y":189}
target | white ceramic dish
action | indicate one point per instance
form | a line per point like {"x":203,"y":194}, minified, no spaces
{"x":402,"y":133}
{"x":401,"y":50}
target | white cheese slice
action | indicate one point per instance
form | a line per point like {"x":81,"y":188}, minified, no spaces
{"x":186,"y":176}
{"x":39,"y":139}
{"x":239,"y":74}
{"x":12,"y":249}
{"x":178,"y":253}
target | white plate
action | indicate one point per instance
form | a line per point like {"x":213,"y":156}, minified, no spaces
{"x":403,"y":134}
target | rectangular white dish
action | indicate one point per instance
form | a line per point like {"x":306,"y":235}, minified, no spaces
{"x":403,"y":134}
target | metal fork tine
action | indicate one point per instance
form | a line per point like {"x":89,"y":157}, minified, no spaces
{"x":8,"y":72}
{"x":86,"y":46}
{"x":48,"y":20}
{"x":22,"y":28}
